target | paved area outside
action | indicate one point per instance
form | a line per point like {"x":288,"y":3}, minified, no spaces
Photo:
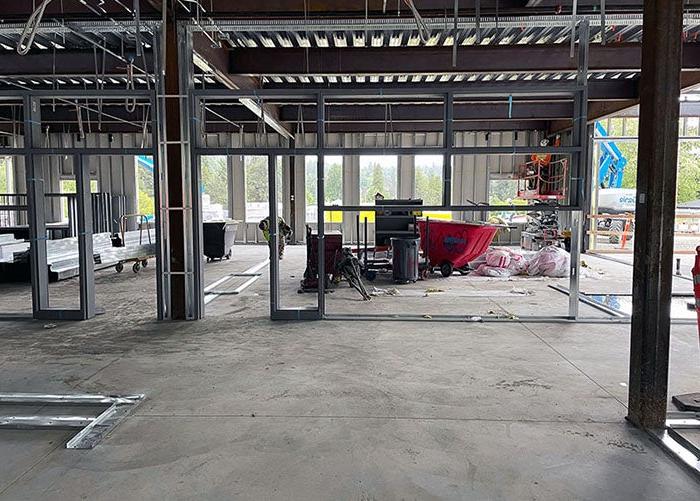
{"x":241,"y":407}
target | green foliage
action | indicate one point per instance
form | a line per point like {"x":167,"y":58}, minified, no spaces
{"x":145,"y":191}
{"x":333,"y":180}
{"x":256,"y":186}
{"x":376,"y":177}
{"x":214,"y":179}
{"x":688,"y":169}
{"x":4,"y":182}
{"x":429,"y":179}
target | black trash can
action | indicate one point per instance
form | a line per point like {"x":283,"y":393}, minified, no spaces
{"x":404,"y":261}
{"x":218,"y":239}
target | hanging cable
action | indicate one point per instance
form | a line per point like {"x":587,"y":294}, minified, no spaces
{"x":300,"y":121}
{"x":478,"y":21}
{"x":573,"y":29}
{"x":79,"y":113}
{"x":137,"y":27}
{"x":26,"y":39}
{"x":423,"y":31}
{"x":130,"y":102}
{"x":455,"y":35}
{"x":602,"y":22}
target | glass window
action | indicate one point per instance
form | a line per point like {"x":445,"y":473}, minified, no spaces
{"x":428,"y":174}
{"x":688,"y":172}
{"x":6,"y":184}
{"x":144,"y":186}
{"x":333,"y":188}
{"x":504,"y":191}
{"x":378,"y":175}
{"x":257,"y":188}
{"x":215,"y":188}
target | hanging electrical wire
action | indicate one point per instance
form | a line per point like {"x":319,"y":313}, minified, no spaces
{"x":423,"y":30}
{"x":81,"y":129}
{"x":26,"y":39}
{"x":130,"y":102}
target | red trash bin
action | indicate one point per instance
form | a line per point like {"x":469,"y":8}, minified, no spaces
{"x":453,"y":244}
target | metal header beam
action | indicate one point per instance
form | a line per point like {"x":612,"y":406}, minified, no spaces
{"x":479,"y":59}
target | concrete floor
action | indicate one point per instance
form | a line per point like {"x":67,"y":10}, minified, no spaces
{"x":241,"y":407}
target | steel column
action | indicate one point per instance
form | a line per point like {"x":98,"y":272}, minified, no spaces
{"x":86,"y":261}
{"x":36,"y":217}
{"x":274,"y":236}
{"x":321,"y":202}
{"x":656,"y":198}
{"x":579,"y":139}
{"x":447,"y":143}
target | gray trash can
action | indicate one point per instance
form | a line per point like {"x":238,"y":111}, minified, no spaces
{"x":405,"y":259}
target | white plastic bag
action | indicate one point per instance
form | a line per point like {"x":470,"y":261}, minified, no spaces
{"x":549,"y":261}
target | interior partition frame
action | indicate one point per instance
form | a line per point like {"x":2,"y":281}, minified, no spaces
{"x":32,"y":151}
{"x":279,"y":313}
{"x":577,"y":151}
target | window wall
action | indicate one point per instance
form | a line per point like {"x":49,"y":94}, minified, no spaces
{"x":6,"y":181}
{"x":333,"y":175}
{"x":256,"y":188}
{"x":214,"y":179}
{"x":504,"y":191}
{"x":378,"y":174}
{"x":145,"y":198}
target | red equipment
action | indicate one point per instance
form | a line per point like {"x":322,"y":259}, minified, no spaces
{"x":453,"y":244}
{"x":541,"y":179}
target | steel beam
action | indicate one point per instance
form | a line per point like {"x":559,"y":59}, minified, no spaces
{"x":598,"y":90}
{"x":656,"y":195}
{"x":67,"y":63}
{"x":479,"y":59}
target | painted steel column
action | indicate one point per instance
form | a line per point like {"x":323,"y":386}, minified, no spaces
{"x":183,"y":235}
{"x":659,"y":91}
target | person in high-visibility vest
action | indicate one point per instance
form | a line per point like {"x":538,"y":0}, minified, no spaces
{"x":283,"y":232}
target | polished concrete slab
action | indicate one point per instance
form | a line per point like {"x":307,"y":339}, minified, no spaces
{"x":241,"y":407}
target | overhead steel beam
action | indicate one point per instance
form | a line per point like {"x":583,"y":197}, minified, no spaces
{"x":655,"y":213}
{"x":76,"y":9}
{"x":67,"y":63}
{"x":438,"y":60}
{"x":599,"y":90}
{"x":434,"y":113}
{"x":341,"y":127}
{"x":406,"y":112}
{"x":600,"y":110}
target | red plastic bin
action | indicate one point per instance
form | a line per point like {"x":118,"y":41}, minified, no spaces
{"x":453,"y":244}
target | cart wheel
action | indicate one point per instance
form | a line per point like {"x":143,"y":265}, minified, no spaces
{"x":136,"y":267}
{"x":119,"y":267}
{"x":228,"y":256}
{"x":446,"y":269}
{"x":144,"y":263}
